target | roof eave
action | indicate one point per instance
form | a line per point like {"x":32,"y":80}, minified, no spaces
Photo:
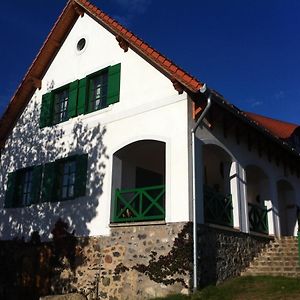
{"x":242,"y":116}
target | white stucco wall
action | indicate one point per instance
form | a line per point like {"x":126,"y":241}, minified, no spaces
{"x":149,"y":108}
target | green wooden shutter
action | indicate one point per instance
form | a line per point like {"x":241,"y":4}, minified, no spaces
{"x":113,"y":91}
{"x":81,"y":175}
{"x":10,"y":190}
{"x":36,"y":184}
{"x":47,"y":110}
{"x":72,"y":102}
{"x":81,"y":102}
{"x":48,"y":186}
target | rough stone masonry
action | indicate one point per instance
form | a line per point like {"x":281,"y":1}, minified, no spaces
{"x":134,"y":262}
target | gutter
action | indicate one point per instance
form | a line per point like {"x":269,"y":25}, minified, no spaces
{"x":203,"y":90}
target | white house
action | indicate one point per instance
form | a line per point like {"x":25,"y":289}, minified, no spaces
{"x":100,"y":135}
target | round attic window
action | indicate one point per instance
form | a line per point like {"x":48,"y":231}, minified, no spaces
{"x":81,"y":44}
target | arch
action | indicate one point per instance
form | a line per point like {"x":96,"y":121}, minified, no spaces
{"x":219,"y":145}
{"x":139,"y":138}
{"x":217,"y":163}
{"x":287,"y":207}
{"x":258,"y":185}
{"x":218,"y":208}
{"x":289,"y":183}
{"x":262,"y":165}
{"x":258,"y":194}
{"x":138,"y":181}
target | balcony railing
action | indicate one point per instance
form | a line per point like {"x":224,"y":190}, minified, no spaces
{"x":258,"y":218}
{"x":140,"y":204}
{"x":217,"y":207}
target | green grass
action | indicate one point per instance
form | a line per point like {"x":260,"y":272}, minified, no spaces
{"x":248,"y":288}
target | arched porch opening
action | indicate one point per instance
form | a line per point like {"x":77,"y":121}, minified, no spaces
{"x":287,"y":208}
{"x":258,"y":193}
{"x":138,"y":182}
{"x":218,"y":207}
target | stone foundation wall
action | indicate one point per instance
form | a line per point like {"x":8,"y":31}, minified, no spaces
{"x":146,"y":261}
{"x":224,"y":254}
{"x":134,"y":262}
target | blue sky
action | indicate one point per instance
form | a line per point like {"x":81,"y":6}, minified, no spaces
{"x":249,"y":51}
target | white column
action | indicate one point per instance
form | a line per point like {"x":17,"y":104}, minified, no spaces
{"x":270,"y":216}
{"x":239,"y":197}
{"x":243,"y":202}
{"x":235,"y":194}
{"x":273,"y":210}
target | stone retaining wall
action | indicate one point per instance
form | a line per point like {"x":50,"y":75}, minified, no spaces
{"x":225,"y":254}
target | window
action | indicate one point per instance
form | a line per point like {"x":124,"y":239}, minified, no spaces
{"x":81,"y":44}
{"x":95,"y":91}
{"x":60,"y":180}
{"x":61,"y":106}
{"x":98,"y":91}
{"x":23,"y":187}
{"x":67,"y":179}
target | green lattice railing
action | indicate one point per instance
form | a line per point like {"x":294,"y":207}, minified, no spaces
{"x":217,"y":207}
{"x":258,"y":218}
{"x":140,"y":204}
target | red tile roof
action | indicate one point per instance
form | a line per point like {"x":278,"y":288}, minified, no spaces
{"x":281,"y":129}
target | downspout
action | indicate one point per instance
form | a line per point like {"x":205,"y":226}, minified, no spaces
{"x":193,"y":132}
